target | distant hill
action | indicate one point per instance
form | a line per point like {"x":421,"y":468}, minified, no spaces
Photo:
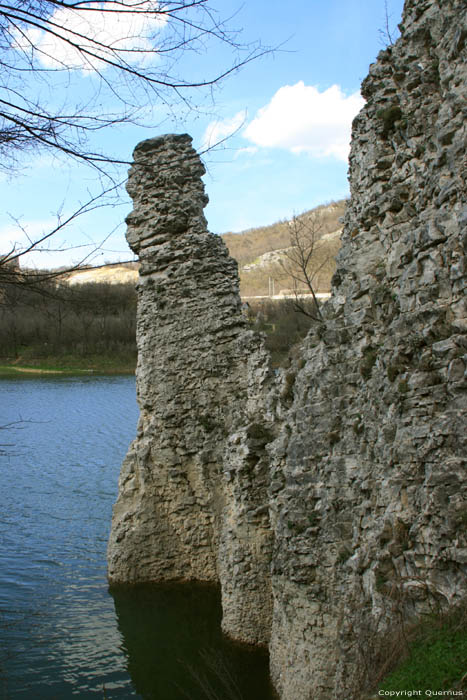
{"x":248,"y":245}
{"x":115,"y":273}
{"x":258,"y":252}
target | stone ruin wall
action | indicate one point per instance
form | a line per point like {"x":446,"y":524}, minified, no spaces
{"x":331,"y":500}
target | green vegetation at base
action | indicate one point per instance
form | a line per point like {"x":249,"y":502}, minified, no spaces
{"x":435,"y":657}
{"x":55,"y":328}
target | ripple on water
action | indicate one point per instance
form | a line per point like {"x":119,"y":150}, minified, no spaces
{"x":57,"y":621}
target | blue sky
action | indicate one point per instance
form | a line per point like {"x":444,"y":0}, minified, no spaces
{"x":292,"y":109}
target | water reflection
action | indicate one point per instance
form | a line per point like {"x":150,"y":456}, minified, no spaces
{"x":172,"y":637}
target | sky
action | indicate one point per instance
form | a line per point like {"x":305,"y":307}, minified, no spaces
{"x":290,"y":114}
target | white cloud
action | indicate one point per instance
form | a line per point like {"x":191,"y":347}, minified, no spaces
{"x":248,"y":151}
{"x":218,"y":130}
{"x":300,"y":118}
{"x":111,"y":29}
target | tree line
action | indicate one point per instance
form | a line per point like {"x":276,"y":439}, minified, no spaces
{"x":94,"y":324}
{"x":55,"y":320}
{"x":43,"y":316}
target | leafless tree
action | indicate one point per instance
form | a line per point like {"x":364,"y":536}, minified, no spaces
{"x":130,"y":51}
{"x":131,"y":48}
{"x":302,"y":264}
{"x":11,"y":273}
{"x":387,"y":35}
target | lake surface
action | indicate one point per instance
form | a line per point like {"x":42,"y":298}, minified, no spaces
{"x":62,"y":633}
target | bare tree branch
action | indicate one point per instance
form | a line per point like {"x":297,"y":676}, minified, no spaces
{"x":10,"y":271}
{"x":300,"y":261}
{"x":128,"y":51}
{"x":28,"y":31}
{"x":387,"y":36}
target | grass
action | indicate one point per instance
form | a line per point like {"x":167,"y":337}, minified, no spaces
{"x":68,"y":364}
{"x":436,"y":658}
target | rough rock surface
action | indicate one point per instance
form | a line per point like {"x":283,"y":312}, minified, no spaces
{"x":181,"y":514}
{"x":370,"y":523}
{"x":339,"y":486}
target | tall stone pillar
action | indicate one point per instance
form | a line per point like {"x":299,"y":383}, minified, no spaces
{"x":187,"y":507}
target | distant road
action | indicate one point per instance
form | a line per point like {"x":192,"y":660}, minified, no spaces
{"x":278,"y":297}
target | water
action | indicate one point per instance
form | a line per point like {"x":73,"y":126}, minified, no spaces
{"x":62,"y":633}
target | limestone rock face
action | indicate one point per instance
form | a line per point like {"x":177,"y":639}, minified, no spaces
{"x":185,"y":512}
{"x":370,"y":524}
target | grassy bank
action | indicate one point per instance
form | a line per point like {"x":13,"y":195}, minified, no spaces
{"x":432,"y":658}
{"x":68,"y":364}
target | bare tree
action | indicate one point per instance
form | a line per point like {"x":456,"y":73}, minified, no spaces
{"x":387,"y":35}
{"x":128,"y":51}
{"x":11,"y":273}
{"x":302,"y":263}
{"x":130,"y":48}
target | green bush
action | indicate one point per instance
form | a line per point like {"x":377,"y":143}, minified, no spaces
{"x":389,"y":116}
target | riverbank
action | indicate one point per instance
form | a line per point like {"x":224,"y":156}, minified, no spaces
{"x":10,"y":367}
